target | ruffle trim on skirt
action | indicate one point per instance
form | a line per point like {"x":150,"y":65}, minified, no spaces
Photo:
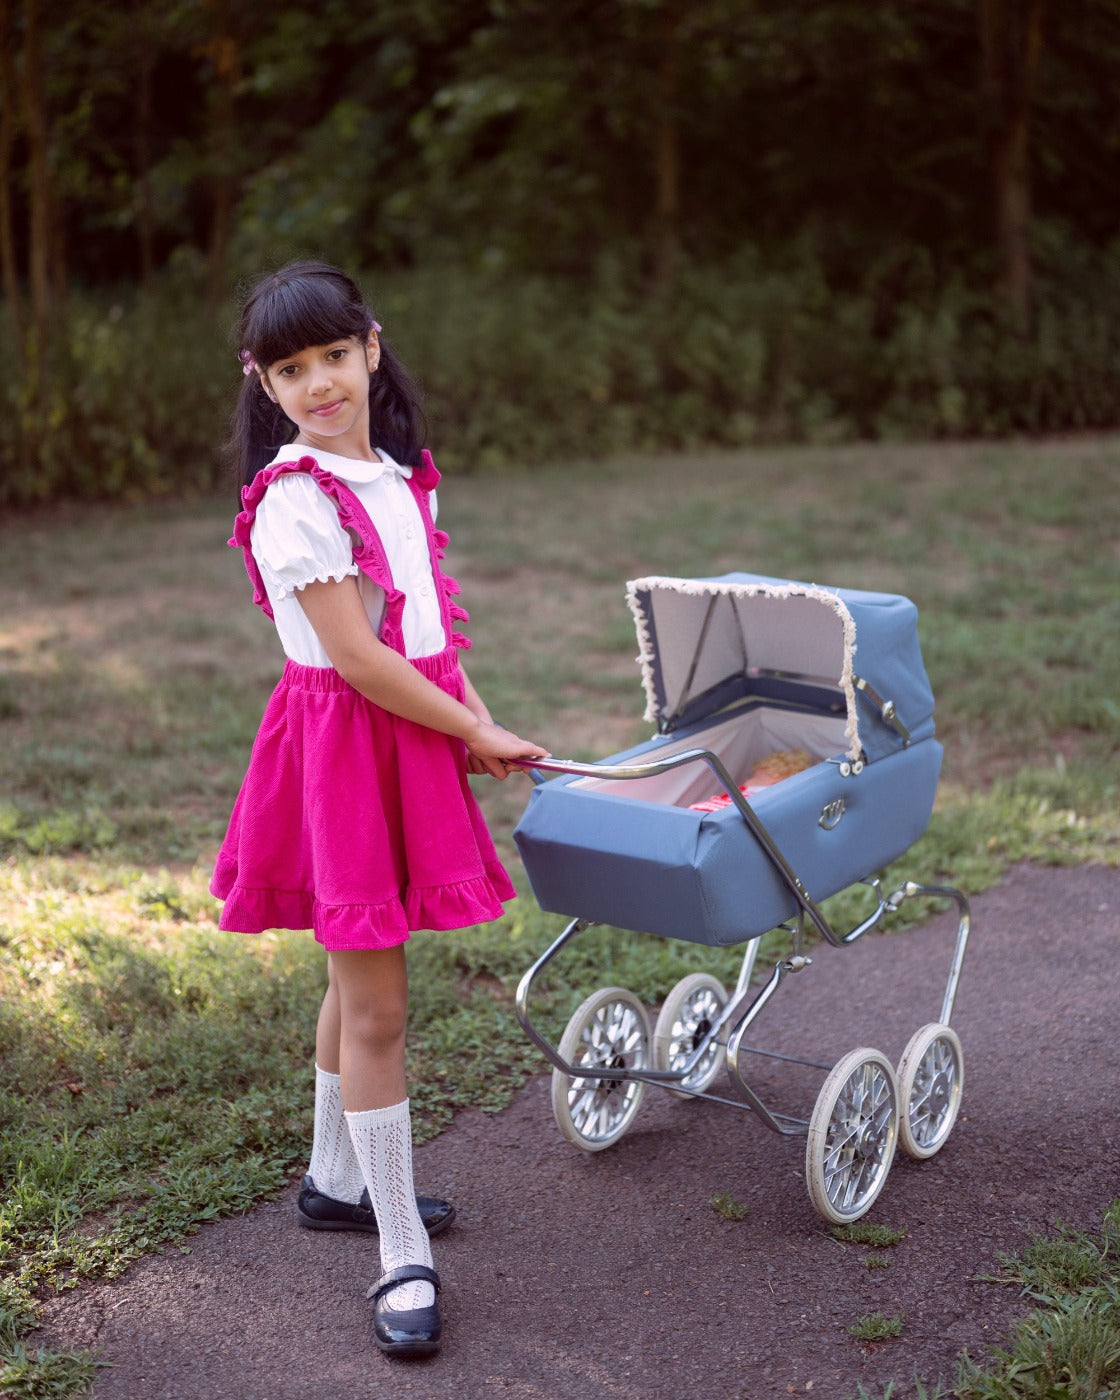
{"x":476,"y":901}
{"x":385,"y":925}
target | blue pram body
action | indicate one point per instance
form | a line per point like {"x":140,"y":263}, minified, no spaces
{"x":742,"y":665}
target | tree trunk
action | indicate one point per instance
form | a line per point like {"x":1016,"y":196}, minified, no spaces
{"x":668,"y":154}
{"x":227,"y":63}
{"x":142,"y":144}
{"x":1011,"y":44}
{"x":9,"y":271}
{"x":41,"y":242}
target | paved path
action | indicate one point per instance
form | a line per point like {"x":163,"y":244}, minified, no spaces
{"x":609,"y":1275}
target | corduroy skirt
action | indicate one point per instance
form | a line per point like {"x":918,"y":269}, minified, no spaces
{"x":354,"y":822}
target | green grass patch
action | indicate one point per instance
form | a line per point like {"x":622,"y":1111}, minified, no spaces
{"x":866,"y":1232}
{"x":1069,"y":1344}
{"x":156,"y":1073}
{"x":876,"y":1327}
{"x":47,"y":1375}
{"x":726,"y":1205}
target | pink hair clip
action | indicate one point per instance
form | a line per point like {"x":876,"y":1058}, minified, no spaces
{"x":248,"y":364}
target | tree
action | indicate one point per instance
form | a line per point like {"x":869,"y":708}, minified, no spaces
{"x":1011,"y":49}
{"x":142,"y":53}
{"x":42,"y":228}
{"x":9,"y":101}
{"x":223,"y":55}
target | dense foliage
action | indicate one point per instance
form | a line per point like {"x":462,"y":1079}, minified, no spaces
{"x":524,"y":369}
{"x":601,"y":221}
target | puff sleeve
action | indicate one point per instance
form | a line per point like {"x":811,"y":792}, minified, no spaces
{"x":297,"y":538}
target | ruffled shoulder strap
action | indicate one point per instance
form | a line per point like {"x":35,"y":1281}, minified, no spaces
{"x":423,"y":481}
{"x":369,"y":552}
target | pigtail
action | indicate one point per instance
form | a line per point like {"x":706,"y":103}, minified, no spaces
{"x":259,"y":427}
{"x":396,"y":416}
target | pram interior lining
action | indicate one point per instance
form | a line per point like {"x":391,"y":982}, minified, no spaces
{"x":746,"y":736}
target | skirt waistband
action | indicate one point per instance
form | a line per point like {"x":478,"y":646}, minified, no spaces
{"x":440,"y":667}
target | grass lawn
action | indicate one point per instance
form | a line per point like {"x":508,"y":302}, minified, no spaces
{"x":155,"y":1072}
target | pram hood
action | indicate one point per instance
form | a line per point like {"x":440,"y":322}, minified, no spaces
{"x":709,"y":642}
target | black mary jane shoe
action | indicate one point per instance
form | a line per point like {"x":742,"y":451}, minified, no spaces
{"x":318,"y":1211}
{"x":411,"y":1331}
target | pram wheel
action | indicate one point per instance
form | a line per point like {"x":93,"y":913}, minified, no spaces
{"x":690,"y":1011}
{"x":852,"y":1136}
{"x":609,"y":1033}
{"x":930,"y":1081}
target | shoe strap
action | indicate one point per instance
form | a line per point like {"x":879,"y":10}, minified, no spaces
{"x":407,"y":1273}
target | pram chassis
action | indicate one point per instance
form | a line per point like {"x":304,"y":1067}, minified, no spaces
{"x":864,"y":1107}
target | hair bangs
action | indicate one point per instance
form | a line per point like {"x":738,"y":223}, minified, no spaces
{"x":294,"y":312}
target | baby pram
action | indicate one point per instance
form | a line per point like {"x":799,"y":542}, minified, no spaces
{"x":734,"y":668}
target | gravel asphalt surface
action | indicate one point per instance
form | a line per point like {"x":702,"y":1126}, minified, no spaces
{"x":572,"y":1275}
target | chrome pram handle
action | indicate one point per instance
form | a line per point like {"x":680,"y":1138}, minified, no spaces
{"x":536,"y":767}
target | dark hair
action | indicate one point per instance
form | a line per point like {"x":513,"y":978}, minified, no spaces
{"x":312,"y":303}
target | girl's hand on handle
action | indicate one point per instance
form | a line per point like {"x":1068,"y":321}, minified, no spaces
{"x":492,"y":749}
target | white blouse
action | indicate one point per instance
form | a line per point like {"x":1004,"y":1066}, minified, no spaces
{"x":297,"y":539}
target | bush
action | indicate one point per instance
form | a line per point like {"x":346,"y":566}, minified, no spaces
{"x":519,"y":368}
{"x":130,"y":403}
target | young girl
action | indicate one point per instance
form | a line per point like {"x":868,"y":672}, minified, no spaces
{"x":355,"y":818}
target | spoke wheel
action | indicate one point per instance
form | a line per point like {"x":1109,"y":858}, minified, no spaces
{"x":852,"y":1136}
{"x":690,"y":1011}
{"x":930,"y":1083}
{"x":607,"y":1036}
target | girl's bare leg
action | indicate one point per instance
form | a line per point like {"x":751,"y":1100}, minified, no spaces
{"x":372,"y":992}
{"x":329,"y":1027}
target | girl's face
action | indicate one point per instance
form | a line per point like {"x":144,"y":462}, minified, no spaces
{"x":324,"y":390}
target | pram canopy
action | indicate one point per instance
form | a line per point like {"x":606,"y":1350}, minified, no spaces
{"x":706,"y":643}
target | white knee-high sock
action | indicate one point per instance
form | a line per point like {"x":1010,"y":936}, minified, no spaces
{"x":333,"y":1167}
{"x":382,"y":1140}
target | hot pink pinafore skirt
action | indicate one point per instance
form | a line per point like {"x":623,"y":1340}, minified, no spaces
{"x":352,"y":821}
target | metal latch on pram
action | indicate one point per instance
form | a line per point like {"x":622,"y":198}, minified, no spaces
{"x":887,"y":712}
{"x":831,"y":814}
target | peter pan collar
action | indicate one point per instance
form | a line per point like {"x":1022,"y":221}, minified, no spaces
{"x":349,"y":469}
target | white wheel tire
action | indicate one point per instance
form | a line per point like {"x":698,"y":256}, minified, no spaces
{"x":688,"y":1014}
{"x":852,"y":1136}
{"x":930,"y":1084}
{"x":609,"y":1032}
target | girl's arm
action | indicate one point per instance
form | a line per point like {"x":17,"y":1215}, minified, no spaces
{"x":477,"y":706}
{"x":473,"y":700}
{"x":336,"y":612}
